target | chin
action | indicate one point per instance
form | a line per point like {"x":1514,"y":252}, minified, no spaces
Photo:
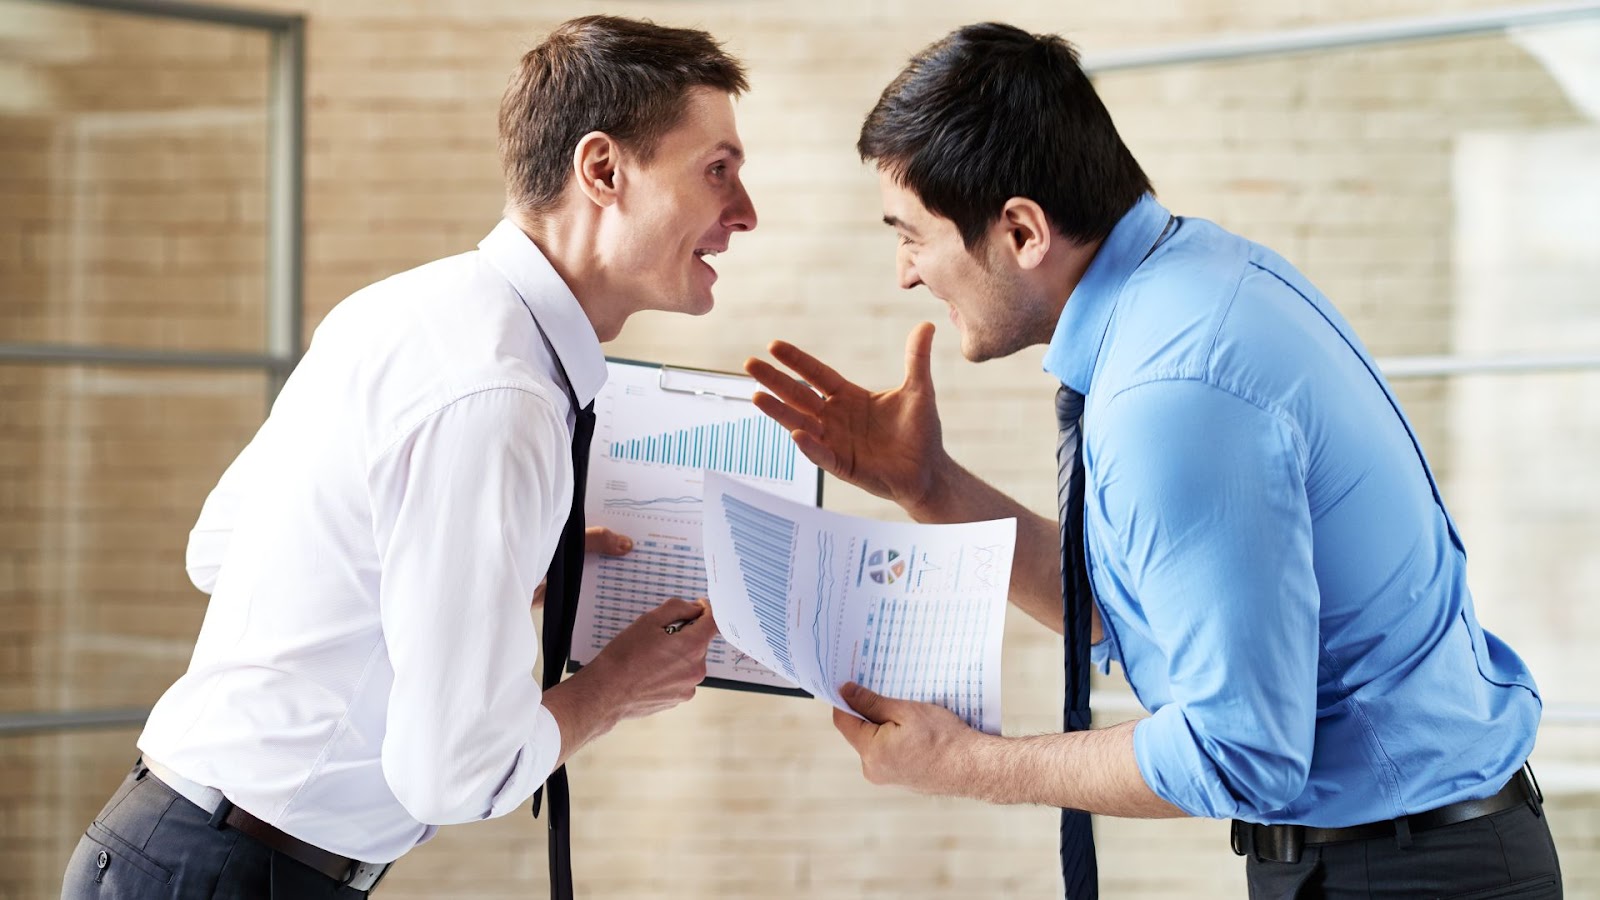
{"x":699,"y":306}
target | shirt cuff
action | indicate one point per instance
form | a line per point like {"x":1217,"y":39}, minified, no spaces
{"x":1170,"y":760}
{"x":537,"y":761}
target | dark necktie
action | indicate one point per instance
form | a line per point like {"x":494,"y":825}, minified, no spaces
{"x":1078,"y":870}
{"x":560,"y":614}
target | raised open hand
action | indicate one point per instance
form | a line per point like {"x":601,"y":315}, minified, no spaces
{"x":889,"y":443}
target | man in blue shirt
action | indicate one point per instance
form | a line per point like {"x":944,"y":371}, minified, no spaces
{"x":1270,"y":561}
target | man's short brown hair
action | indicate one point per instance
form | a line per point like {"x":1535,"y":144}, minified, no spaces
{"x":625,"y":77}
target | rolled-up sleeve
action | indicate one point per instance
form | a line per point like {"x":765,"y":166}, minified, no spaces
{"x":468,"y":507}
{"x":1204,"y":493}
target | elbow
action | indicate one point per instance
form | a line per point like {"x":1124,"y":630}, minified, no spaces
{"x":431,"y":797}
{"x":1219,"y":776}
{"x":202,"y":560}
{"x":203,"y":577}
{"x":1269,"y":782}
{"x":431,"y":806}
{"x":432,"y":789}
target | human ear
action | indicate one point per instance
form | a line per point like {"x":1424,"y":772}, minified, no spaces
{"x":594,"y":165}
{"x":1027,"y":231}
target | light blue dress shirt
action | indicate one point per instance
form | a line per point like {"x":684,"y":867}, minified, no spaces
{"x":1271,"y":560}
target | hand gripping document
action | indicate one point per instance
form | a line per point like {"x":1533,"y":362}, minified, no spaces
{"x":910,"y":611}
{"x":658,"y":432}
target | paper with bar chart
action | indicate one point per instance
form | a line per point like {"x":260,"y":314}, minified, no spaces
{"x":910,"y":611}
{"x":654,"y":441}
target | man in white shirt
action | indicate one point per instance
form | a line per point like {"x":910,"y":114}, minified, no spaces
{"x":365,"y":670}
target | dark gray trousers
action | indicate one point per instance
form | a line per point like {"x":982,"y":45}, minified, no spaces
{"x":151,"y":843}
{"x":1508,"y":854}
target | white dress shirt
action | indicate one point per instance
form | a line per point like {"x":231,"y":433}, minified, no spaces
{"x":365,"y":669}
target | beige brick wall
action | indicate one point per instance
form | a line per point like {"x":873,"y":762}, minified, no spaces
{"x":131,"y":213}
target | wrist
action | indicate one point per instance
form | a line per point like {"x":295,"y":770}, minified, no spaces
{"x":935,"y":490}
{"x":990,"y":762}
{"x":584,"y":707}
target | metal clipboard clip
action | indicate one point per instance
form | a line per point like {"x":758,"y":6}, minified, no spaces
{"x":705,"y":383}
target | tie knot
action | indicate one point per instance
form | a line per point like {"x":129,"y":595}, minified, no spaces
{"x":1069,"y":407}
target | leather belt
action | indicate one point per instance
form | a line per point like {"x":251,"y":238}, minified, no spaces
{"x":1283,"y":843}
{"x":352,"y":873}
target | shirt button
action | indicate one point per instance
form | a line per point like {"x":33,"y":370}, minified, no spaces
{"x":103,"y":860}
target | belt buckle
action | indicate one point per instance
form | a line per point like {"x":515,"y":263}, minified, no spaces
{"x":364,"y":876}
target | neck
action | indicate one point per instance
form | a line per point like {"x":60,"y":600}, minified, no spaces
{"x":569,"y":243}
{"x":1061,"y":274}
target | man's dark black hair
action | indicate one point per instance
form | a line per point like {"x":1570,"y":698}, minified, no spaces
{"x":991,"y":112}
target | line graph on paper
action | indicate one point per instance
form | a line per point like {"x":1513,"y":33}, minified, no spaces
{"x":678,"y":505}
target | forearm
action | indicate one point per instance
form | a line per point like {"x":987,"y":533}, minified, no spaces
{"x":1094,"y":771}
{"x":957,"y":495}
{"x":584,"y":709}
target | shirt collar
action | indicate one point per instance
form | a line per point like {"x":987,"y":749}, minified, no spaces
{"x":552,"y":305}
{"x":1075,"y":346}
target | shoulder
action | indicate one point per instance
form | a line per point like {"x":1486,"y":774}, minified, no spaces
{"x":486,"y":418}
{"x":1215,"y":308}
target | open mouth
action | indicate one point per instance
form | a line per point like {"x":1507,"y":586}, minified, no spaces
{"x":703,"y":256}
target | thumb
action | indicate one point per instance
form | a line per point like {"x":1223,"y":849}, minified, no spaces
{"x":872,"y":706}
{"x":600,"y":539}
{"x":919,"y":355}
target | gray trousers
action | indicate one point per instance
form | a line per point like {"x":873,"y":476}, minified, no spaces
{"x":151,"y":843}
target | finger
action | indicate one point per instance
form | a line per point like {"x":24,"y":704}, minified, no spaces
{"x":856,"y":732}
{"x":703,"y":629}
{"x":790,"y":390}
{"x":872,"y":705}
{"x":816,"y":451}
{"x":790,"y":418}
{"x":675,"y":610}
{"x":919,"y":355}
{"x":808,"y":367}
{"x":600,"y":539}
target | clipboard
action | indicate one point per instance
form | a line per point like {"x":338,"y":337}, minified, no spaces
{"x":658,"y":429}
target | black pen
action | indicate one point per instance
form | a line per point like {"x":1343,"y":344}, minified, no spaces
{"x":675,"y":627}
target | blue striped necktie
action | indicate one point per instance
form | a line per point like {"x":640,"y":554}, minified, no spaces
{"x":1079,"y":873}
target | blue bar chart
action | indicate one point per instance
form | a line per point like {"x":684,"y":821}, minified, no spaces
{"x":764,"y":543}
{"x":754,"y":446}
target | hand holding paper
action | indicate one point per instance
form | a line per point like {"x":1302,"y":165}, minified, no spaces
{"x":910,"y":611}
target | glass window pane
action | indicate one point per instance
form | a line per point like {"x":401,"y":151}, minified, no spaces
{"x":102,"y":473}
{"x":132,"y":181}
{"x":54,"y":785}
{"x":1515,"y":457}
{"x":1445,"y":194}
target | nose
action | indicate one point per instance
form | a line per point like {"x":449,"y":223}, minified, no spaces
{"x":906,"y":269}
{"x":740,"y":214}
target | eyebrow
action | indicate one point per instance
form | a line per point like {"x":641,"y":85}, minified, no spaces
{"x":894,"y":222}
{"x":728,"y":148}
